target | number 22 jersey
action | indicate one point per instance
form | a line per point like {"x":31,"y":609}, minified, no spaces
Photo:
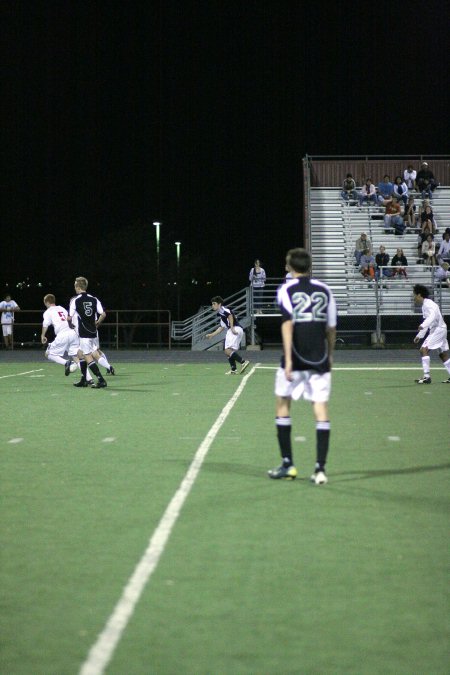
{"x":311,"y":306}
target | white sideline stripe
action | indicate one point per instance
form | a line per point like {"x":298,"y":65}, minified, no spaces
{"x":101,"y":652}
{"x":360,"y":368}
{"x":27,"y":372}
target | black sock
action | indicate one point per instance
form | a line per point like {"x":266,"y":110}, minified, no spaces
{"x":323,"y":440}
{"x":83,"y":368}
{"x":93,"y":367}
{"x":238,"y":358}
{"x":232,"y":361}
{"x":284,"y":439}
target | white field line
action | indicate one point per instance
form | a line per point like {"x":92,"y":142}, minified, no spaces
{"x":419,"y":366}
{"x":102,"y":651}
{"x":27,"y":372}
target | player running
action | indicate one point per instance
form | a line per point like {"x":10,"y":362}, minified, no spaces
{"x":437,"y":336}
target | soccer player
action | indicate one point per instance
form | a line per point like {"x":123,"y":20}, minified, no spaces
{"x":437,"y":336}
{"x":308,"y":331}
{"x":8,"y":307}
{"x":89,"y":314}
{"x":66,"y":339}
{"x":233,"y":335}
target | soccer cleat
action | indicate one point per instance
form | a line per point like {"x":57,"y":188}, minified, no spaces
{"x":101,"y":384}
{"x":446,"y":381}
{"x":426,"y":379}
{"x":231,"y":372}
{"x":319,"y":478}
{"x":111,"y":371}
{"x":244,"y":366}
{"x":67,"y":367}
{"x":286,"y":472}
{"x":81,"y":383}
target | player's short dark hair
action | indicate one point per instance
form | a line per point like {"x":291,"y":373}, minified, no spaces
{"x":82,"y":283}
{"x":419,"y":289}
{"x":299,"y":260}
{"x":50,"y":298}
{"x":218,"y":299}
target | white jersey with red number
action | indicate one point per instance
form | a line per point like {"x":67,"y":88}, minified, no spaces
{"x":56,"y":316}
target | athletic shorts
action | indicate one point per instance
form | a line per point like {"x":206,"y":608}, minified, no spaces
{"x":88,"y":345}
{"x":233,"y":341}
{"x":66,"y":341}
{"x":7,"y":328}
{"x":306,"y":384}
{"x":437,"y":340}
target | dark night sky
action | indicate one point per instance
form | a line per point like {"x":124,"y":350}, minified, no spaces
{"x":198,"y":114}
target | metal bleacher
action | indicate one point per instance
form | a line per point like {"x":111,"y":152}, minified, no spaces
{"x":334,"y":228}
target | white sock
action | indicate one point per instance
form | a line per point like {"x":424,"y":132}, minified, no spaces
{"x":57,"y":359}
{"x":103,"y":361}
{"x":447,"y":366}
{"x":426,"y":365}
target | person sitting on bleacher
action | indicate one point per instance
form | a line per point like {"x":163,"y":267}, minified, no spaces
{"x":410,"y":216}
{"x":349,"y":189}
{"x":429,"y":250}
{"x":442,"y":274}
{"x":361,"y":245}
{"x":409,"y":176}
{"x":393,"y":216}
{"x":401,"y":190}
{"x":385,"y":190}
{"x":426,"y":216}
{"x":425,"y":181}
{"x":443,"y":254}
{"x":399,"y":262}
{"x":420,"y":240}
{"x":368,"y":193}
{"x":382,"y":261}
{"x":367,"y":265}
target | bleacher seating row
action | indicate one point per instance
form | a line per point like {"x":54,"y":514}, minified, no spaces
{"x":334,"y":228}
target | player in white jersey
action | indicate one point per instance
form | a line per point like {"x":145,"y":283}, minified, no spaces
{"x":8,"y":307}
{"x":66,"y":339}
{"x":434,"y":329}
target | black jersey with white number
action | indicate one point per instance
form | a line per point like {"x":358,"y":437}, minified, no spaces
{"x":87,"y":308}
{"x":224,"y":314}
{"x":311,"y":306}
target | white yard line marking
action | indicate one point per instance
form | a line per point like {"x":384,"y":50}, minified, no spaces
{"x":102,"y":651}
{"x":393,"y":438}
{"x":109,"y":439}
{"x":15,"y":440}
{"x":27,"y":372}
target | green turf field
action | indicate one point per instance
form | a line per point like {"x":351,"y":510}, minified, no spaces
{"x":256,"y":577}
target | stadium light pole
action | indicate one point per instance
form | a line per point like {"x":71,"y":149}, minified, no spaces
{"x":178,"y":247}
{"x":157,"y":226}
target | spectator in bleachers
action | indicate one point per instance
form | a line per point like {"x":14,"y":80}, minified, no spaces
{"x":382,"y":261}
{"x":349,"y":189}
{"x":410,"y":216}
{"x":409,"y":176}
{"x":401,"y":190}
{"x":443,"y":254}
{"x":429,"y":250}
{"x":367,"y":265}
{"x":422,"y":237}
{"x":426,"y":216}
{"x":442,"y":274}
{"x":393,"y":216}
{"x":361,"y":245}
{"x":385,"y":189}
{"x":399,"y":262}
{"x":425,"y":181}
{"x":368,"y":193}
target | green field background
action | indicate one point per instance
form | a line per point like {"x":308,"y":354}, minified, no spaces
{"x":258,"y":576}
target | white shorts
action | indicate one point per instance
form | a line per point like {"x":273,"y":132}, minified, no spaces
{"x":306,"y":384}
{"x":233,"y":341}
{"x":88,"y":345}
{"x":66,"y":341}
{"x":7,"y":328}
{"x":437,"y":340}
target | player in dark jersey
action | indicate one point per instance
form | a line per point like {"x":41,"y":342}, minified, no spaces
{"x":89,"y":315}
{"x":308,"y":330}
{"x":233,"y":337}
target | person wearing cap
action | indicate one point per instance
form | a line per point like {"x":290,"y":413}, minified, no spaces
{"x":425,"y":181}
